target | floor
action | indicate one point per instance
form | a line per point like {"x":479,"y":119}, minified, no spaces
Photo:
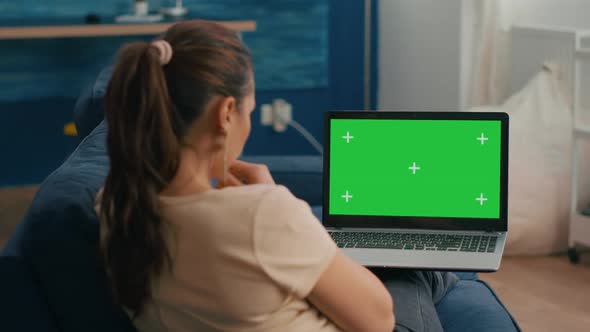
{"x":14,"y":202}
{"x":543,"y":293}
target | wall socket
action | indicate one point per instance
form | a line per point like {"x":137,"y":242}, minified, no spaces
{"x":278,"y":115}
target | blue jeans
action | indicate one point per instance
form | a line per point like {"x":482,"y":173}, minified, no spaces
{"x":415,"y":294}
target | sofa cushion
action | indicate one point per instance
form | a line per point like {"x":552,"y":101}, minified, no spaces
{"x":22,"y":305}
{"x":88,"y":111}
{"x":317,"y":211}
{"x":472,"y":303}
{"x":59,"y":238}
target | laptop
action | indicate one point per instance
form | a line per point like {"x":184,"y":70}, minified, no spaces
{"x":417,"y":190}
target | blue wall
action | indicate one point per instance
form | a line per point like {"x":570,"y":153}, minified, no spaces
{"x":289,"y":47}
{"x":31,"y":131}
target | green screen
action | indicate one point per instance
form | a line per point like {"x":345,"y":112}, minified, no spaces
{"x":420,"y":168}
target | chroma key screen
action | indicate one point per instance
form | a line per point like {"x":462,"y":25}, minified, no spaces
{"x":416,"y":168}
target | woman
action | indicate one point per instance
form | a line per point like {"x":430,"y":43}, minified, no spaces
{"x":245,"y":256}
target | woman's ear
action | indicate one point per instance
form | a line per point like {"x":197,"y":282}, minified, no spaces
{"x":225,"y":112}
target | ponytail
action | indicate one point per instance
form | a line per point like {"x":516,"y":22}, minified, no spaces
{"x":152,"y":100}
{"x":144,"y":149}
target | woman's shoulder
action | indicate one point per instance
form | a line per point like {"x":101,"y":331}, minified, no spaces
{"x":262,"y":194}
{"x":260,"y":190}
{"x":251,"y":190}
{"x":250,"y":195}
{"x":261,"y":199}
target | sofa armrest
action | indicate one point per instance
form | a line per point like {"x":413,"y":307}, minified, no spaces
{"x":22,"y":305}
{"x":89,"y":108}
{"x":473,"y":306}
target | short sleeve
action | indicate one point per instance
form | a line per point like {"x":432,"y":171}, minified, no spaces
{"x":290,"y":244}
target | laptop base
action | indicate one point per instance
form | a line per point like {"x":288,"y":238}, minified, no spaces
{"x":430,"y":260}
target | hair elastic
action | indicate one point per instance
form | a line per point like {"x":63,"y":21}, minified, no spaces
{"x":164,"y":49}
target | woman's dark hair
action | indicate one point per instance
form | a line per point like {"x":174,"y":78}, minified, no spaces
{"x":149,"y":108}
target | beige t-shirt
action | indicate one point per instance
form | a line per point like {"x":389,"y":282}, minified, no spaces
{"x":245,"y":258}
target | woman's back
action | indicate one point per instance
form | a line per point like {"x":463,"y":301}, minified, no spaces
{"x":182,"y":255}
{"x":244,"y":259}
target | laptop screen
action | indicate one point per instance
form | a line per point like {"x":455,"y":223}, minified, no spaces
{"x":433,"y":168}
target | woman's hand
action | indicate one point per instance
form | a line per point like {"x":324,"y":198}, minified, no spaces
{"x":241,"y":173}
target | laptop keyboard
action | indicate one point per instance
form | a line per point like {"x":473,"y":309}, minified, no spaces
{"x":418,"y":241}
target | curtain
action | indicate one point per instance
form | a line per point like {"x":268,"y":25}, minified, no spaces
{"x":490,"y":51}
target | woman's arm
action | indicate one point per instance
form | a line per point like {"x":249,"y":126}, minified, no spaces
{"x":353,"y":297}
{"x":346,"y":292}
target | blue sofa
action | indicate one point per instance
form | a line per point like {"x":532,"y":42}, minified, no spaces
{"x":51,"y":278}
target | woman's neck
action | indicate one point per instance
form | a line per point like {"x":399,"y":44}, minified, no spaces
{"x":193,"y":175}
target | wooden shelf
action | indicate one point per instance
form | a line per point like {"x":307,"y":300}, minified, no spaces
{"x":99,"y":30}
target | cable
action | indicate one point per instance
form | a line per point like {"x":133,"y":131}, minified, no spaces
{"x":288,"y":120}
{"x":307,"y":135}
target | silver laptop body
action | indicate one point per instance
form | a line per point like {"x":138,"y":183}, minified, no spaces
{"x":416,"y":241}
